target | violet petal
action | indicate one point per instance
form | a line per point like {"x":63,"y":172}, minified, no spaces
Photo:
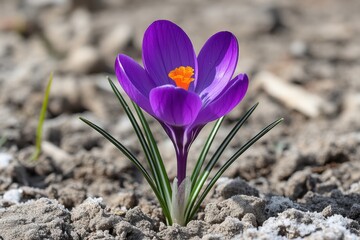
{"x":232,"y":94}
{"x":174,"y":106}
{"x":134,"y":80}
{"x":217,"y":62}
{"x":166,"y":47}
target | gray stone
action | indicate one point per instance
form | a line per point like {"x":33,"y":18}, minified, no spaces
{"x":278,"y":204}
{"x":328,"y":211}
{"x":138,"y":219}
{"x":91,"y":216}
{"x":127,"y":231}
{"x":229,"y":227}
{"x":237,"y":206}
{"x":298,"y":48}
{"x":249,"y":220}
{"x":36,"y":220}
{"x":299,"y":183}
{"x":231,"y":187}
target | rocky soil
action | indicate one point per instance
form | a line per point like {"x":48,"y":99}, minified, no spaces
{"x":302,"y":181}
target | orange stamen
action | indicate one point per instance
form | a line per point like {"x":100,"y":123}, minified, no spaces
{"x":182,"y":76}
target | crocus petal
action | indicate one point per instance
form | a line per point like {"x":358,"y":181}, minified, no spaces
{"x":232,"y":94}
{"x":166,"y":47}
{"x":134,"y":80}
{"x":174,"y":106}
{"x":217,"y":62}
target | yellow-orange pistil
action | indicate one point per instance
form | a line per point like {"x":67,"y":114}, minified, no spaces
{"x":182,"y":76}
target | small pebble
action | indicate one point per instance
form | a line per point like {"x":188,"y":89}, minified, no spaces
{"x":13,"y":195}
{"x":5,"y":160}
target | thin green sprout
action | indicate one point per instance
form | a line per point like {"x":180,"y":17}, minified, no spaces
{"x":42,"y":116}
{"x":3,"y":140}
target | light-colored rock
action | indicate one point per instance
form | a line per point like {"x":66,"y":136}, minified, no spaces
{"x":351,"y":109}
{"x":91,"y":215}
{"x":138,"y":219}
{"x":328,"y":211}
{"x":293,"y":96}
{"x":55,"y":152}
{"x":236,"y":206}
{"x":298,"y":48}
{"x":354,"y":188}
{"x":82,"y":60}
{"x":249,"y":220}
{"x":127,"y":231}
{"x":230,"y":227}
{"x":5,"y":160}
{"x":124,"y":199}
{"x":114,"y":42}
{"x":67,"y":33}
{"x":13,"y":195}
{"x":36,"y":220}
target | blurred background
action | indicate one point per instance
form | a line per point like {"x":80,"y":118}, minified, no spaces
{"x":307,"y":44}
{"x":302,"y":57}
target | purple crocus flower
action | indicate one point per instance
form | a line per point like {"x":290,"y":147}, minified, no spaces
{"x":182,"y":91}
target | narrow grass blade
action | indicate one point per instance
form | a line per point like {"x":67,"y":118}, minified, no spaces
{"x":2,"y":141}
{"x":151,"y":159}
{"x":39,"y":130}
{"x":121,"y":147}
{"x":156,"y":154}
{"x":154,"y":160}
{"x":229,"y":162}
{"x":136,"y":162}
{"x":205,"y":150}
{"x":200,"y":182}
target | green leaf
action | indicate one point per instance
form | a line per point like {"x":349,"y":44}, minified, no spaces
{"x":197,"y":186}
{"x":228,"y":164}
{"x":39,"y":130}
{"x":205,"y":150}
{"x":2,"y":141}
{"x":136,"y":162}
{"x":156,"y":155}
{"x":154,"y":159}
{"x":138,"y":132}
{"x":121,"y":147}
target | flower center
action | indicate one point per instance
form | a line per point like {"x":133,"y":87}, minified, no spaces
{"x":182,"y":76}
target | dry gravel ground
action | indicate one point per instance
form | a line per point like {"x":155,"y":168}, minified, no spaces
{"x":302,"y":181}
